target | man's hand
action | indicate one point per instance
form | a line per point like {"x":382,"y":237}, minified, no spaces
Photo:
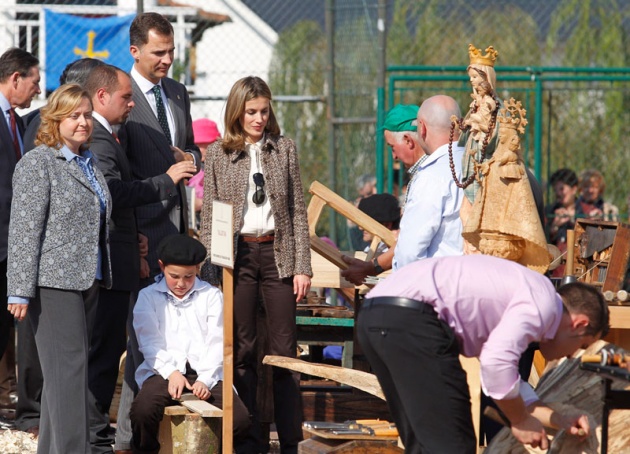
{"x":176,"y":384}
{"x":200,"y":390}
{"x":574,"y":423}
{"x":18,"y":311}
{"x":181,"y":155}
{"x":580,"y":427}
{"x":530,"y":431}
{"x":145,"y":270}
{"x":183,"y":169}
{"x":357,"y":271}
{"x":143,"y":244}
{"x":301,"y":286}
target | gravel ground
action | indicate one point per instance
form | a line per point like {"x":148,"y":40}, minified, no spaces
{"x":15,"y":442}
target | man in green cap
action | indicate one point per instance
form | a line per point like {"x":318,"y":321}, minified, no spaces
{"x":400,"y":130}
{"x":430,"y":226}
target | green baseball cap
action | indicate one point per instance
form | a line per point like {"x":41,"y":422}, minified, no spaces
{"x":400,"y":118}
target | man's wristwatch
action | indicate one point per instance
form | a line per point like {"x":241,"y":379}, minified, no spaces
{"x":378,"y":269}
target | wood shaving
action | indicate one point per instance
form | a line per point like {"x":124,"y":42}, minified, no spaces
{"x":17,"y":442}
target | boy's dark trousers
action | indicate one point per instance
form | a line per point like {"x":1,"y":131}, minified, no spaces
{"x":147,"y":411}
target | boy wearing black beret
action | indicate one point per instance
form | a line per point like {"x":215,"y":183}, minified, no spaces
{"x":178,"y":321}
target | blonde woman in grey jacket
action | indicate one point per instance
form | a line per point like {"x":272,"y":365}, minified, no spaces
{"x":256,"y":170}
{"x":58,"y":258}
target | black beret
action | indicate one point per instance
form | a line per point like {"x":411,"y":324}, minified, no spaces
{"x":181,"y":250}
{"x":381,"y":207}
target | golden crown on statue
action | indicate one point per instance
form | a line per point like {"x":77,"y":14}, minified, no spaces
{"x":512,"y":115}
{"x":476,"y":58}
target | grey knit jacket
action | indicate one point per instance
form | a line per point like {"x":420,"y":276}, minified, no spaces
{"x":226,"y":175}
{"x":55,"y":231}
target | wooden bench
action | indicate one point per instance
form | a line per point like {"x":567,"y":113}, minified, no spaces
{"x":194,"y":426}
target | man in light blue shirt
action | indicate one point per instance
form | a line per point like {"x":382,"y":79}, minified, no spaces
{"x":430,"y":225}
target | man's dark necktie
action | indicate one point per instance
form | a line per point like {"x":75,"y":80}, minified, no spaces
{"x":161,"y":111}
{"x":14,"y":131}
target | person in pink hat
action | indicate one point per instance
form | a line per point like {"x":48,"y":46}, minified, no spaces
{"x":205,"y":132}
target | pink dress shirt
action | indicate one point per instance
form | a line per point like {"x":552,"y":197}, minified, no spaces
{"x":495,"y":307}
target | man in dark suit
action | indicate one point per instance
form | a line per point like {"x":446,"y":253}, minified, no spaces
{"x":158,"y":134}
{"x":19,"y":84}
{"x":159,"y":129}
{"x":111,"y":93}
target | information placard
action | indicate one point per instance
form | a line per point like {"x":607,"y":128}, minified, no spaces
{"x":222,"y":245}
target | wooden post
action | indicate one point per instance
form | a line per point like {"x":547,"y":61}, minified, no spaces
{"x":570,"y":265}
{"x":228,"y":358}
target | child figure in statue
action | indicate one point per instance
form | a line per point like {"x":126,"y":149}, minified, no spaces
{"x":482,"y":107}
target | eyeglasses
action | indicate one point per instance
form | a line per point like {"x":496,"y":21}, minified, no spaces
{"x":259,"y":195}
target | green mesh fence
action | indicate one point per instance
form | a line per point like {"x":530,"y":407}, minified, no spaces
{"x":582,"y":123}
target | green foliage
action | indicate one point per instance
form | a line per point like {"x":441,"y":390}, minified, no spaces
{"x":584,"y":122}
{"x":299,"y":68}
{"x":589,"y":120}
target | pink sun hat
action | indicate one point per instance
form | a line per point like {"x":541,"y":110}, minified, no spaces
{"x":205,"y":131}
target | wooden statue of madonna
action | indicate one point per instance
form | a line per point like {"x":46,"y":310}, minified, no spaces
{"x":478,"y":128}
{"x":499,"y":214}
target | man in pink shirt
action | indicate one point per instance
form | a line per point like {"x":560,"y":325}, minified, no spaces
{"x":414,"y":325}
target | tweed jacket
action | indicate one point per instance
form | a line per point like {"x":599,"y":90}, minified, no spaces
{"x":55,"y":231}
{"x":226,"y":178}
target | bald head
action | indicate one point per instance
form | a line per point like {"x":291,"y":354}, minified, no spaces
{"x":436,"y":111}
{"x":434,"y":121}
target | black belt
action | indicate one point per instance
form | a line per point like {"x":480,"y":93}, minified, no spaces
{"x":398,"y":302}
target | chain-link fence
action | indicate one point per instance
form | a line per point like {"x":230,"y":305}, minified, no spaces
{"x":325,"y":62}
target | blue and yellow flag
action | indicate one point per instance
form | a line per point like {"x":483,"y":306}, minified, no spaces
{"x":69,"y":38}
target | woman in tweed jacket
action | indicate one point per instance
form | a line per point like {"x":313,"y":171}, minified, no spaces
{"x":58,"y":257}
{"x":256,"y":170}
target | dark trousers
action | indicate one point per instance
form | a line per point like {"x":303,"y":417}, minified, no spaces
{"x":415,"y":357}
{"x":30,"y":378}
{"x":147,"y":411}
{"x":60,"y":324}
{"x":255,"y":272}
{"x":6,"y":319}
{"x":130,"y":387}
{"x":108,"y":342}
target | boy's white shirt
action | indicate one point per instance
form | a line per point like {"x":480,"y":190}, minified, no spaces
{"x":173,"y":331}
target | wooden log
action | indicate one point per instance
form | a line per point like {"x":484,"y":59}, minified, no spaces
{"x":183,"y":432}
